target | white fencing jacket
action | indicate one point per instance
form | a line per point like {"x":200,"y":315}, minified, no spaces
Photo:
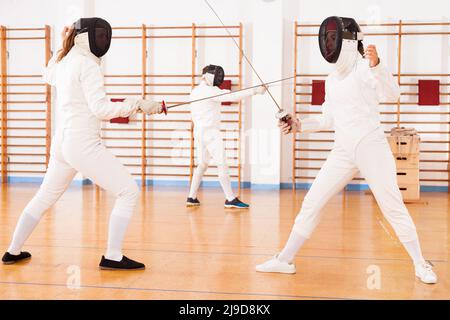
{"x":206,"y":114}
{"x":81,"y":95}
{"x":351,"y":104}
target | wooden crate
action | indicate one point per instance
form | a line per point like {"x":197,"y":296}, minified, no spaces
{"x":410,"y":161}
{"x":404,"y":145}
{"x":408,"y":176}
{"x":410,"y":192}
{"x":406,"y":151}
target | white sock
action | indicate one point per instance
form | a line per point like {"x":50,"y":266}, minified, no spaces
{"x":117,"y":228}
{"x":197,"y":180}
{"x":24,"y":228}
{"x":414,"y":251}
{"x":225,"y":182}
{"x":291,"y":248}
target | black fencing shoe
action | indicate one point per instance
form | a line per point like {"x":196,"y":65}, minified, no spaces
{"x":237,"y":204}
{"x":125,"y":264}
{"x":11,"y":259}
{"x":192,"y":202}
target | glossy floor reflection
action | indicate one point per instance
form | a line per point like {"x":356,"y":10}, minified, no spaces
{"x":210,"y":252}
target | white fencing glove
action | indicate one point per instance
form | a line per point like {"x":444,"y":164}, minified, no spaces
{"x":292,"y":126}
{"x":260,"y":90}
{"x":150,"y":107}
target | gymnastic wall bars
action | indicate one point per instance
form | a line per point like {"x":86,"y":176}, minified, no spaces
{"x":153,"y":144}
{"x":21,"y":150}
{"x":435,"y":139}
{"x":25,"y":139}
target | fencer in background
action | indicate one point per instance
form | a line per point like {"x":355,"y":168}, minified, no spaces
{"x":77,"y":147}
{"x":206,"y":117}
{"x":353,"y":92}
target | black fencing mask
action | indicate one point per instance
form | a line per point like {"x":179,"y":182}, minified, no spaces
{"x":214,"y":75}
{"x":333,"y":31}
{"x":99,"y":33}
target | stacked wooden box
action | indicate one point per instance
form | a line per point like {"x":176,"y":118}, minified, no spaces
{"x":405,"y":145}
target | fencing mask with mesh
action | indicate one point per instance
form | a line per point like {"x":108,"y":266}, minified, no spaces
{"x":99,"y":33}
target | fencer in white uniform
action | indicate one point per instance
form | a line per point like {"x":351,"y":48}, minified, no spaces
{"x":206,"y":118}
{"x":353,"y":93}
{"x":77,"y":146}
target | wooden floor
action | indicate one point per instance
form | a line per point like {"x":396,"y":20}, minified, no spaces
{"x":210,"y":252}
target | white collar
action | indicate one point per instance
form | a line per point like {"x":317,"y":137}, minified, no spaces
{"x":82,"y":47}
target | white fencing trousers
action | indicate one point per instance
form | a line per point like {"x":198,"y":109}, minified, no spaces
{"x":374,"y":160}
{"x":210,"y":145}
{"x":79,"y":150}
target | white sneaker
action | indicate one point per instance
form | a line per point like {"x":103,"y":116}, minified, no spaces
{"x":425,"y":273}
{"x":276,"y":266}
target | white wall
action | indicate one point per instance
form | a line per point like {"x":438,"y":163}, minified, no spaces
{"x":374,"y":10}
{"x":268,"y":41}
{"x":420,"y":54}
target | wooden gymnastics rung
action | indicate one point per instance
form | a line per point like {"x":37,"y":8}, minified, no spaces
{"x":440,"y":33}
{"x":190,"y":37}
{"x":25,"y":145}
{"x":308,"y":168}
{"x":190,"y":27}
{"x":381,"y":103}
{"x":312,"y":75}
{"x":173,"y":27}
{"x":144,"y":85}
{"x":150,"y":138}
{"x":390,"y":24}
{"x":26,"y":111}
{"x":25,"y":85}
{"x":149,"y":130}
{"x":25,"y":93}
{"x":25,"y":38}
{"x":25,"y":29}
{"x":25,"y":102}
{"x":26,"y":137}
{"x":25,"y":119}
{"x":434,"y":141}
{"x":313,"y":150}
{"x":415,"y":113}
{"x":26,"y":163}
{"x":153,"y":76}
{"x":433,"y":161}
{"x":416,"y":84}
{"x":310,"y":159}
{"x":434,"y":151}
{"x":172,"y":166}
{"x":166,"y":175}
{"x":26,"y":154}
{"x":165,"y":37}
{"x":313,"y":140}
{"x":416,"y":122}
{"x":158,"y":148}
{"x":23,"y":76}
{"x":23,"y":128}
{"x":26,"y":171}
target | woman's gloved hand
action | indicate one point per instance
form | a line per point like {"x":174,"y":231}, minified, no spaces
{"x":150,"y":107}
{"x":287,"y":128}
{"x":260,"y":90}
{"x":372,"y":55}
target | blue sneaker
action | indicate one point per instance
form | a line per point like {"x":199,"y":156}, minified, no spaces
{"x":192,"y":202}
{"x":237,"y":204}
